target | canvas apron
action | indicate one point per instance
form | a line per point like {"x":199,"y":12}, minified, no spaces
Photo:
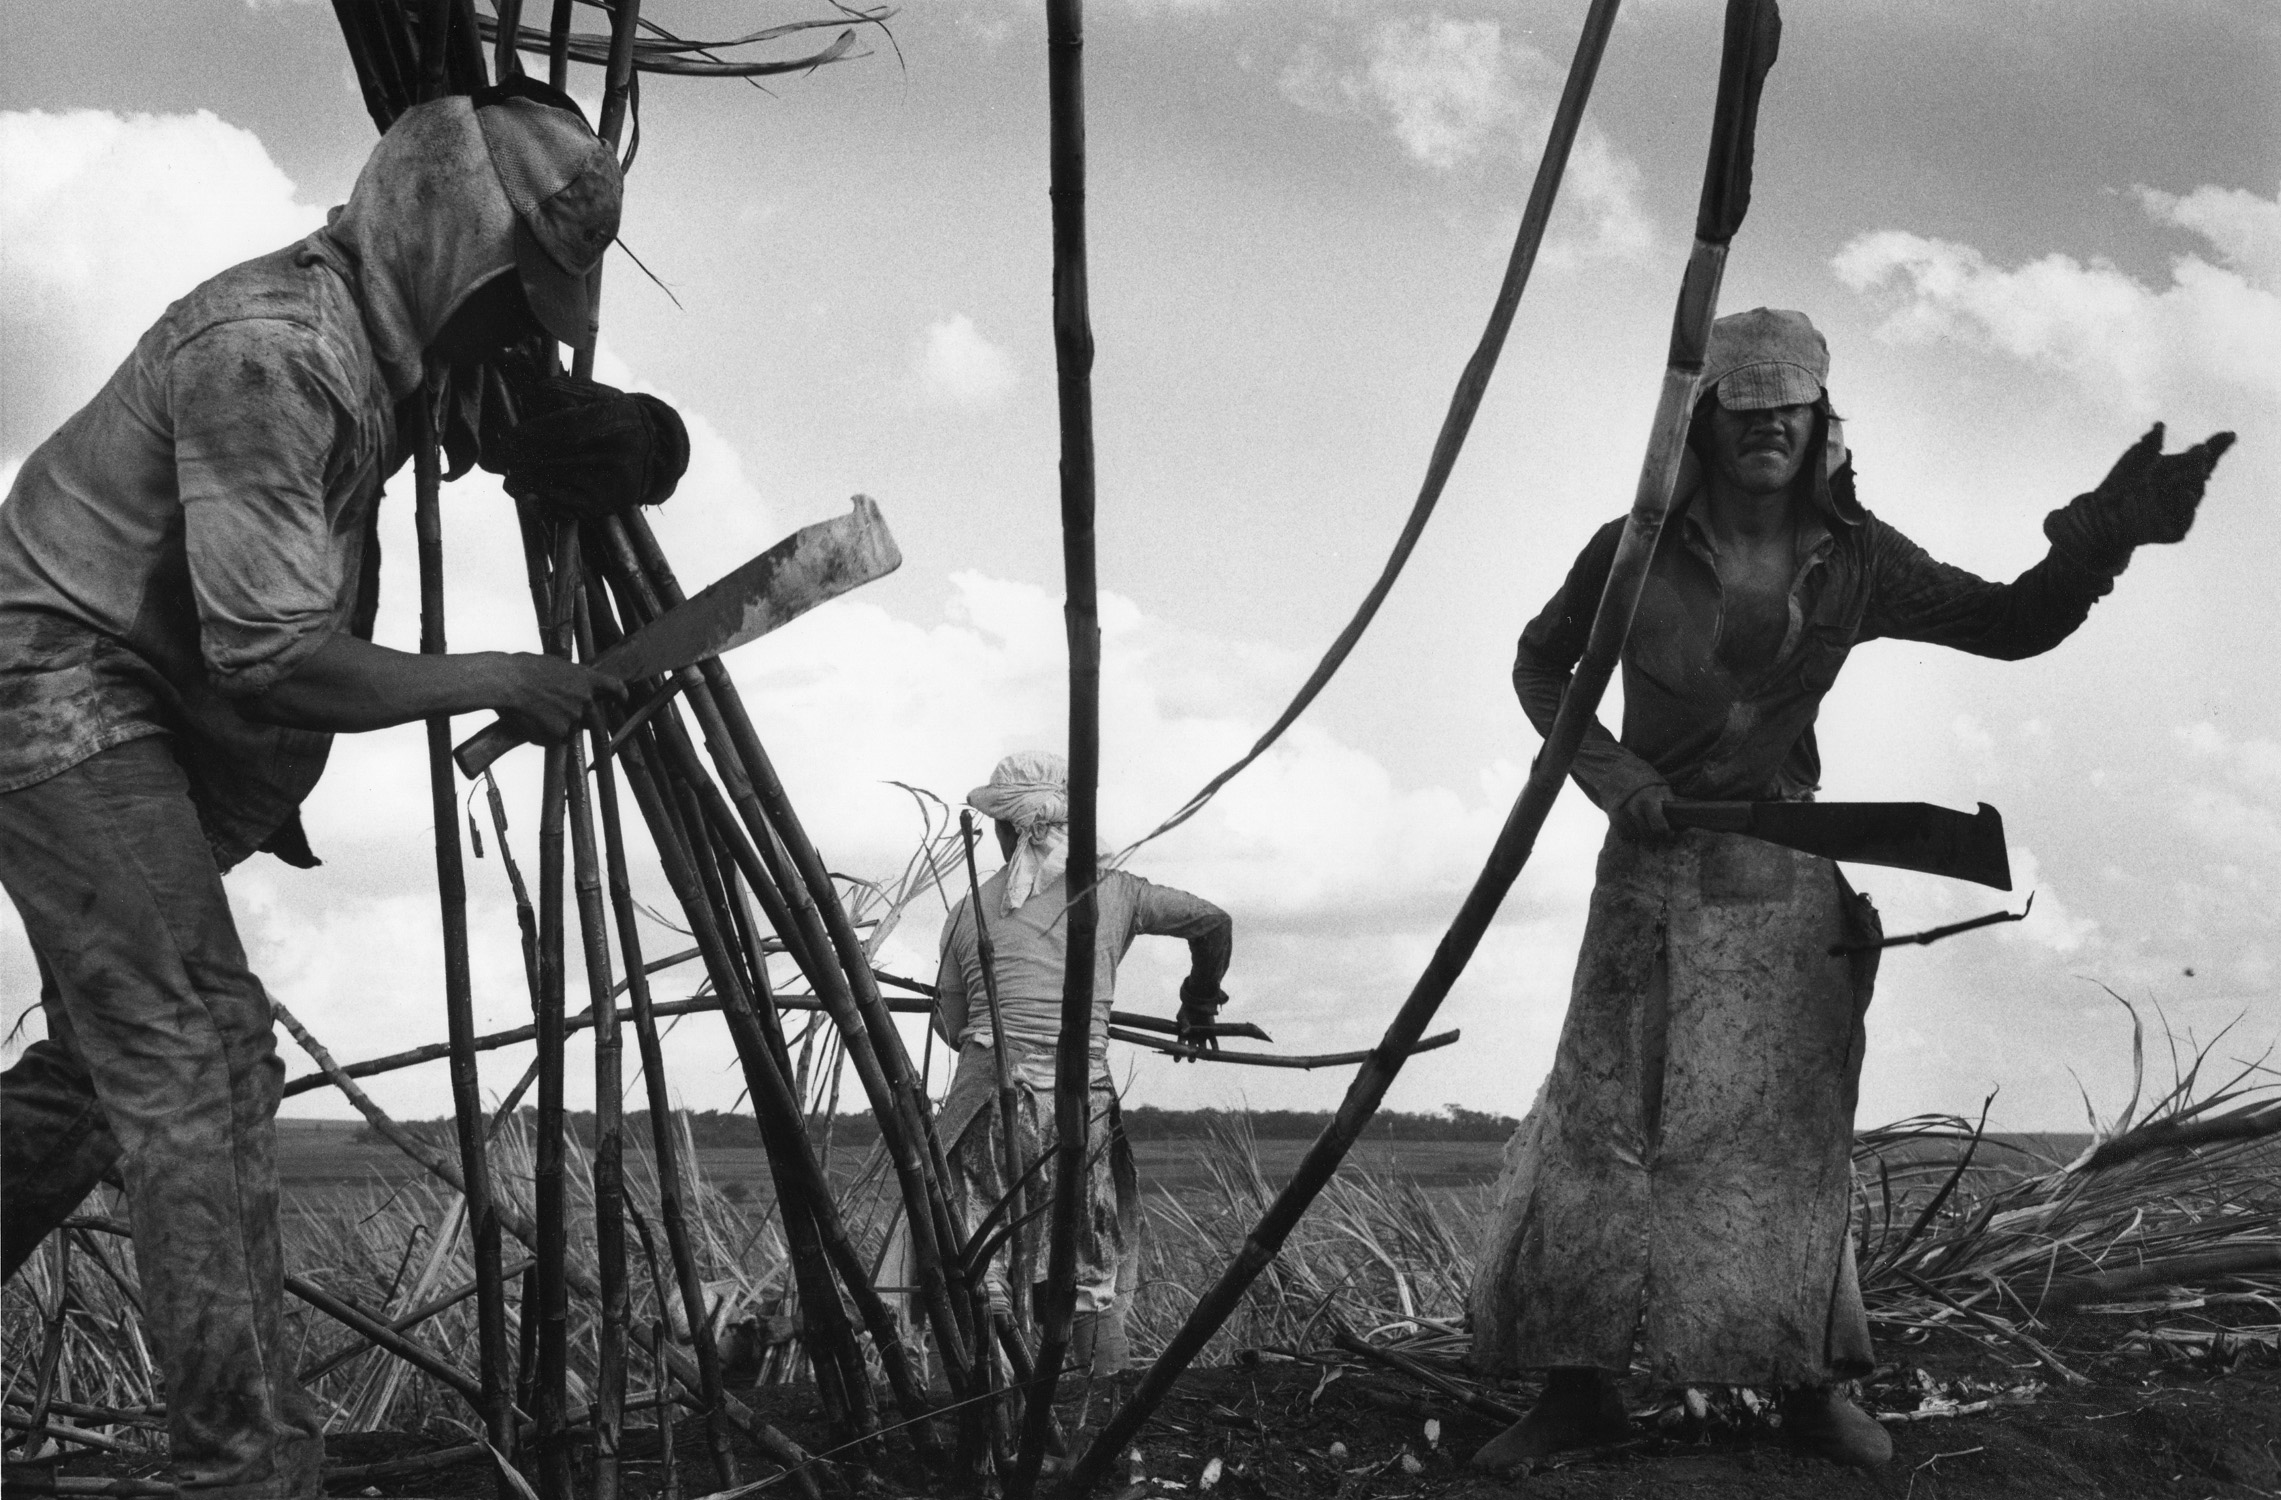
{"x":1684,"y":1181}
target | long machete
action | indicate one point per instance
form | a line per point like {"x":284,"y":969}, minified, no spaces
{"x":812,"y":565}
{"x":1904,"y":835}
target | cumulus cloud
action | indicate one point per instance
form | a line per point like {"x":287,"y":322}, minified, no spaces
{"x":955,"y":365}
{"x":2234,"y":802}
{"x":2211,"y":337}
{"x":1452,"y":92}
{"x":104,"y":220}
{"x":1341,"y":876}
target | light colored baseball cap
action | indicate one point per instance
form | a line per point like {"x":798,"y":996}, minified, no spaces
{"x":567,"y":193}
{"x":1766,"y":357}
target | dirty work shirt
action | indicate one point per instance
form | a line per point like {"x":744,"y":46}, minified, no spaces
{"x":1031,"y":947}
{"x":1682,"y":1184}
{"x":1691,"y":721}
{"x":189,"y":536}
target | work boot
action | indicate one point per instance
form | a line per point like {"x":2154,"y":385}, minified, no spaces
{"x":1818,"y":1419}
{"x":1580,"y":1408}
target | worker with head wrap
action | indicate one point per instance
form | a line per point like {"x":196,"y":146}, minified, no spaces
{"x":1025,"y":908}
{"x":1680,"y":1192}
{"x":188,"y":577}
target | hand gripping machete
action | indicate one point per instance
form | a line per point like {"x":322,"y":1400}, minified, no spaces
{"x":1904,"y":835}
{"x":812,"y":565}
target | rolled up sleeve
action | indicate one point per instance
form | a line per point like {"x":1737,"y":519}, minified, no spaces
{"x":257,"y":428}
{"x":1164,"y":911}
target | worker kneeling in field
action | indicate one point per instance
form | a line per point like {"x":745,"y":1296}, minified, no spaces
{"x":1025,"y":910}
{"x":188,"y":575}
{"x":1680,"y":1191}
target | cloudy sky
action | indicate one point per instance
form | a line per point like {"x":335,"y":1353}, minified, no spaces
{"x":2028,"y":233}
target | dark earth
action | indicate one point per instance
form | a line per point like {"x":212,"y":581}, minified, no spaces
{"x":2145,"y":1425}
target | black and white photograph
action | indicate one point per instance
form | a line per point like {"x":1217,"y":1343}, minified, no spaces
{"x":1280,"y":749}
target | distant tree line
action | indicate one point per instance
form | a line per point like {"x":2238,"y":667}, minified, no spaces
{"x":716,"y":1130}
{"x":1146,"y":1122}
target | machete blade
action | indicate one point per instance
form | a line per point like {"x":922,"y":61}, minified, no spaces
{"x":1903,"y":835}
{"x":811,"y":565}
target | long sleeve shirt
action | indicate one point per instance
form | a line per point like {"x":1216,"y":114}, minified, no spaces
{"x":1694,"y":724}
{"x":1032,"y":951}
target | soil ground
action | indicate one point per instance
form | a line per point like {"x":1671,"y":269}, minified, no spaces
{"x":1327,"y":1426}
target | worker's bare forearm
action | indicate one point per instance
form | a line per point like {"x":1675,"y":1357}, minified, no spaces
{"x":347,"y":686}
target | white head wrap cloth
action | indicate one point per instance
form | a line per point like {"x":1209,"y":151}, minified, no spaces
{"x":1030,"y":790}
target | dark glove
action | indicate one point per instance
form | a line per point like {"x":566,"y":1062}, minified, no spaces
{"x":589,"y":448}
{"x":1199,"y":1007}
{"x":2149,"y":496}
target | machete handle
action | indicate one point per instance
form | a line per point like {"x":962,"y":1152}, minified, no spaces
{"x":1753,"y":37}
{"x":1719,"y":817}
{"x":475,"y":753}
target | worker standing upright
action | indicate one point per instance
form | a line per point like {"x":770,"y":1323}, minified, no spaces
{"x":1026,"y":907}
{"x":1681,"y":1189}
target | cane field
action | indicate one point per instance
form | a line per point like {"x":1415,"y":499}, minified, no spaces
{"x":2085,"y":1315}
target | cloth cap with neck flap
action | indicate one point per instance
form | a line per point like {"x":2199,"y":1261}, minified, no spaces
{"x":1029,"y":791}
{"x":1770,"y":357}
{"x":567,"y":192}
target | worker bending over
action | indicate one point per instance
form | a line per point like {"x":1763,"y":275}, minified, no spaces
{"x":188,"y":576}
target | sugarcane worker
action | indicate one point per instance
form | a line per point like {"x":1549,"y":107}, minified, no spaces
{"x":188,"y":575}
{"x":1025,"y":907}
{"x":1680,"y":1190}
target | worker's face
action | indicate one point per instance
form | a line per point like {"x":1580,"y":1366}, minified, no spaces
{"x":1760,"y":452}
{"x":493,"y":318}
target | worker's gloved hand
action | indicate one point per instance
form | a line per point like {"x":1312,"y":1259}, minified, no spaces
{"x":1200,"y":1004}
{"x":589,"y":448}
{"x":2149,"y":496}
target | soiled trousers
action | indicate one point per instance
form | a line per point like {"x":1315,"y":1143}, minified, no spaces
{"x":160,"y":1058}
{"x":973,"y":1143}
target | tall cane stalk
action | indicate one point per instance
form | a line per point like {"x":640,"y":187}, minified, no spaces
{"x":740,"y":743}
{"x":459,"y":1003}
{"x":1073,"y":360}
{"x":665,"y":1146}
{"x":804,"y":1201}
{"x":808,"y":904}
{"x":1753,"y":32}
{"x":1464,"y":403}
{"x":666,"y":743}
{"x":609,"y":1164}
{"x":1009,"y":1147}
{"x":549,"y":1391}
{"x":617,"y":84}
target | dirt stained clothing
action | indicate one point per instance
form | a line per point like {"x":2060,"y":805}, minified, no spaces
{"x":1682,"y":1184}
{"x":1031,"y":946}
{"x":186,"y":539}
{"x":161,"y":1057}
{"x":181,"y":544}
